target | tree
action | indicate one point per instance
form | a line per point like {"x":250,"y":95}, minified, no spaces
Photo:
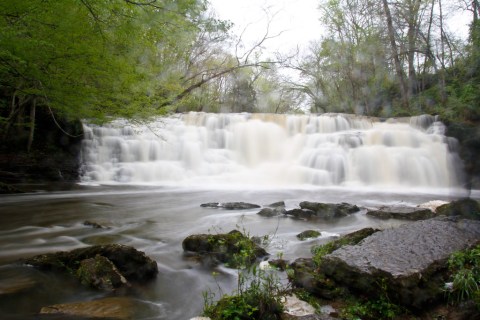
{"x":91,"y":59}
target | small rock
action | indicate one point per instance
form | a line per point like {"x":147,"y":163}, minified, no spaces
{"x":277,"y":204}
{"x":272,"y":212}
{"x":230,"y":205}
{"x":301,"y":213}
{"x":308,"y":234}
{"x":296,"y":307}
{"x":92,"y":224}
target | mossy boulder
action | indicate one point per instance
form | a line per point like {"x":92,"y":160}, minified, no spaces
{"x":234,"y":248}
{"x":308,"y":234}
{"x":93,"y":263}
{"x":468,"y":208}
{"x":329,"y":211}
{"x":100,"y":273}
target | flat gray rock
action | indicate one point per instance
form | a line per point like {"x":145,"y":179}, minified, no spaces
{"x":407,"y":257}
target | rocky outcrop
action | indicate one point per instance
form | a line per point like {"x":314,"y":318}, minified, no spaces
{"x":325,"y":211}
{"x":406,"y":263}
{"x":103,"y":267}
{"x":230,"y":205}
{"x":402,"y":213}
{"x":233,"y":248}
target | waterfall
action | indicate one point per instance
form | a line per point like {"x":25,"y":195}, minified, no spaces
{"x":335,"y":150}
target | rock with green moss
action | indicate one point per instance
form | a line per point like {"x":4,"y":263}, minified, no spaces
{"x":328,"y":211}
{"x":131,"y":264}
{"x":234,"y":248}
{"x":468,"y":208}
{"x":100,"y":273}
{"x":407,"y":263}
{"x":308,"y":234}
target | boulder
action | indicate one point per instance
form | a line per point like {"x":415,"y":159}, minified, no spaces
{"x":230,"y":205}
{"x":100,"y":273}
{"x":301,"y":213}
{"x":402,"y":213}
{"x":406,"y":263}
{"x":272,"y":212}
{"x":308,"y":234}
{"x":277,"y":204}
{"x":329,"y":210}
{"x":132,"y":264}
{"x":233,"y":248}
{"x":468,"y":208}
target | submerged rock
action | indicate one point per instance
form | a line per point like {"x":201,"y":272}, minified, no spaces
{"x":130,"y":263}
{"x":406,"y":263}
{"x":118,"y":308}
{"x":233,"y":248}
{"x":403,"y":213}
{"x":230,"y":205}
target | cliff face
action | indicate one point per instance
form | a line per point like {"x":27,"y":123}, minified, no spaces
{"x":54,"y":154}
{"x":468,"y":136}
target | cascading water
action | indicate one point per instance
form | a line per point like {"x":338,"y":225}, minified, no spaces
{"x":273,"y":150}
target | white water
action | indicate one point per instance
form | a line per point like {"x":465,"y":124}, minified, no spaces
{"x":230,"y":150}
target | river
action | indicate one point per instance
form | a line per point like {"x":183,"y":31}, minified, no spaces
{"x":154,"y":210}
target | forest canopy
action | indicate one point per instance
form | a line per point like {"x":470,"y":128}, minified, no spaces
{"x":102,"y":59}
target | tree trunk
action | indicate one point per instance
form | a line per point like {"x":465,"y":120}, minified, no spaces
{"x":32,"y":124}
{"x":398,"y":66}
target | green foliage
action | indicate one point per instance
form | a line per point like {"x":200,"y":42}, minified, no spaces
{"x":465,"y":269}
{"x":258,"y":296}
{"x":380,"y":308}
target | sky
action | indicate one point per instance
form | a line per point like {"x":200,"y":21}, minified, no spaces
{"x":296,"y":20}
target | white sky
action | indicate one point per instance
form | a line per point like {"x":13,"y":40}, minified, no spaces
{"x":297,"y":20}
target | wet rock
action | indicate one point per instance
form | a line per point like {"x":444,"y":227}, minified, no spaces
{"x":277,"y":204}
{"x":402,"y":213}
{"x":308,"y":234}
{"x":108,"y":308}
{"x":306,"y":276}
{"x":100,"y":273}
{"x":329,"y":210}
{"x":272,"y":212}
{"x":432,"y":205}
{"x":134,"y":265}
{"x":301,"y":213}
{"x":467,"y":208}
{"x":93,"y":224}
{"x":407,"y":261}
{"x":279,"y":264}
{"x":233,"y":248}
{"x":230,"y":205}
